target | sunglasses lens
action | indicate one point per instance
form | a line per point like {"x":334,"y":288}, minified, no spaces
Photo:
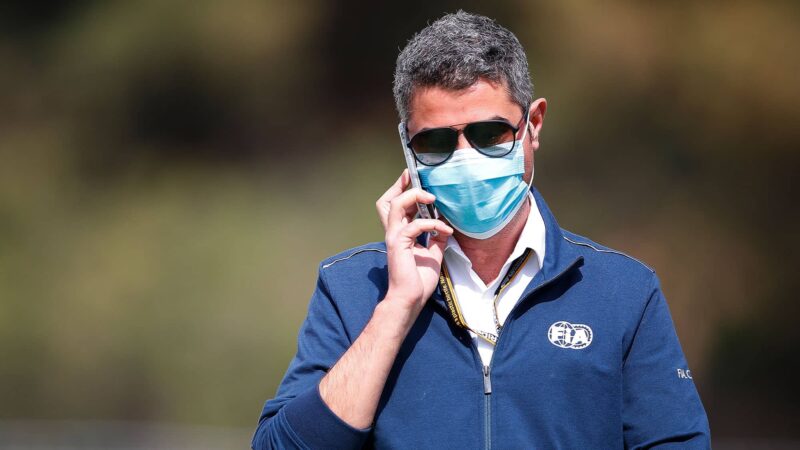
{"x":434,"y":146}
{"x":487,"y":136}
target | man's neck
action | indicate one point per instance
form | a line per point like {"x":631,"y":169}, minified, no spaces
{"x":489,"y":255}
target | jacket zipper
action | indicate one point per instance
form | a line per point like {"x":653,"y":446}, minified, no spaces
{"x":487,"y":370}
{"x":487,"y":402}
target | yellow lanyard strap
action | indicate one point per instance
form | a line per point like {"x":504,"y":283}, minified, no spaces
{"x":449,"y":293}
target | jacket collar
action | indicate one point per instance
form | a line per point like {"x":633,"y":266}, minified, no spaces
{"x":560,"y":256}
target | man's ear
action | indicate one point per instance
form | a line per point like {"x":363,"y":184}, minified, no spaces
{"x":536,"y":120}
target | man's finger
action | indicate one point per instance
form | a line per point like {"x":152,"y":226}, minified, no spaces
{"x":419,"y":226}
{"x":404,"y":205}
{"x":383,"y":203}
{"x":439,"y":239}
{"x":436,"y":246}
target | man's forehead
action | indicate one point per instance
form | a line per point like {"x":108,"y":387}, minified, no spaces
{"x":434,"y":106}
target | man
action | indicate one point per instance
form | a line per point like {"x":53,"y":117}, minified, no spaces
{"x":490,"y":327}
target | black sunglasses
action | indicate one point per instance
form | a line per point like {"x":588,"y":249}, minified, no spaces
{"x":435,"y":146}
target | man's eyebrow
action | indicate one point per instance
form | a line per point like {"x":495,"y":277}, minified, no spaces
{"x":457,"y":124}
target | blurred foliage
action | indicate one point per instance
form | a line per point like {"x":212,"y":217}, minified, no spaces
{"x":172,"y":172}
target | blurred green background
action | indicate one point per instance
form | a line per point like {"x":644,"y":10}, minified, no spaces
{"x":172,"y":172}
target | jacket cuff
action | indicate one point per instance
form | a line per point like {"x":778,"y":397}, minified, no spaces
{"x":318,"y":426}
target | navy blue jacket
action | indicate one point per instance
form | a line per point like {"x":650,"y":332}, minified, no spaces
{"x":620,"y":381}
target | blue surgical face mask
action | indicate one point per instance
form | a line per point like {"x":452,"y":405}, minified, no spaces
{"x":478,"y":194}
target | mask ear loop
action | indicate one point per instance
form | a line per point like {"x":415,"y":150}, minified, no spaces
{"x":527,"y":125}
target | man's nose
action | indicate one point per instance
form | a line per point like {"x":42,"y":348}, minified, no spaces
{"x":462,"y":141}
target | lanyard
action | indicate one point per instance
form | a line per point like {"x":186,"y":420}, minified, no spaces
{"x":446,"y":285}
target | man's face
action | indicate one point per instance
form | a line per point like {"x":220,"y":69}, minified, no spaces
{"x":434,"y":107}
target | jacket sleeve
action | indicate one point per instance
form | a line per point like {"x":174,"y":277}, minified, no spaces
{"x":661,"y":407}
{"x":298,"y":418}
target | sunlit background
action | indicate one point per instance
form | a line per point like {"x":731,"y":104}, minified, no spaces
{"x":172,"y":172}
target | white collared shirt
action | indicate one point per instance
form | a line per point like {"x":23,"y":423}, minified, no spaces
{"x":476,"y":298}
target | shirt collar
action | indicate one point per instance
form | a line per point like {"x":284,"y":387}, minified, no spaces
{"x":533,"y":236}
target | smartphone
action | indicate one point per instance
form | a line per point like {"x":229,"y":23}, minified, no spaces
{"x":425,"y":211}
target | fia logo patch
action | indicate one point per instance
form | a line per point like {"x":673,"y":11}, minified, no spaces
{"x":576,"y":336}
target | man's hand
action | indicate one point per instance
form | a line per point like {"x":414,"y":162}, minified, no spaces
{"x":413,"y":268}
{"x":353,"y":386}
